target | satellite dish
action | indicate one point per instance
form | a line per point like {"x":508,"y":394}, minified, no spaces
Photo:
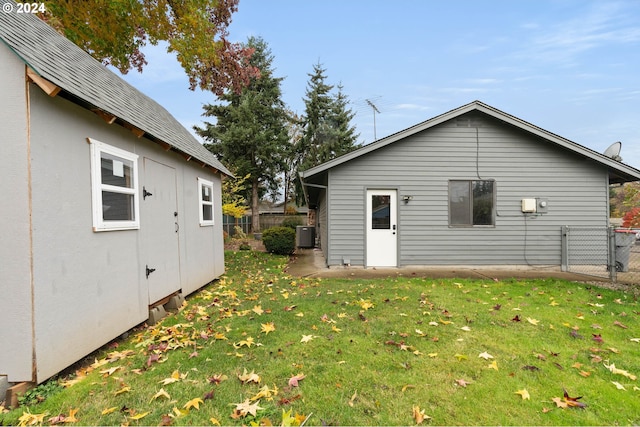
{"x":613,"y":151}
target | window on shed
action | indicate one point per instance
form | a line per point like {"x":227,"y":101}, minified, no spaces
{"x":114,"y":187}
{"x":206,"y":201}
{"x":471,"y":203}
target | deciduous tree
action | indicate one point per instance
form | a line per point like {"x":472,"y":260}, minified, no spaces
{"x":115,"y":31}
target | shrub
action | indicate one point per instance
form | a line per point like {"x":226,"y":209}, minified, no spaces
{"x":291,"y":222}
{"x":279,"y":240}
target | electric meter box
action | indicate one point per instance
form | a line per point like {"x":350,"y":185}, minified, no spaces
{"x":529,"y":205}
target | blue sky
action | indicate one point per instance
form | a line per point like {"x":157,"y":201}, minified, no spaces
{"x":571,"y":67}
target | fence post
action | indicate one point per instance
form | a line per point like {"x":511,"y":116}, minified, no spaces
{"x":565,"y":248}
{"x":612,"y":266}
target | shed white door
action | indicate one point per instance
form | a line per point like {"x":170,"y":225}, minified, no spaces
{"x":382,"y":242}
{"x":159,"y":226}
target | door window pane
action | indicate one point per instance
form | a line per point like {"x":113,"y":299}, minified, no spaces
{"x":381,"y":212}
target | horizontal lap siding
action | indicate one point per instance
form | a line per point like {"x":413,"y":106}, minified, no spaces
{"x":421,"y":165}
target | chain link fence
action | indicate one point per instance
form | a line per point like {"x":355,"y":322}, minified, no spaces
{"x":602,"y":252}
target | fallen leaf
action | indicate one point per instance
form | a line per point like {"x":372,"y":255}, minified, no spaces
{"x":572,"y":402}
{"x":193,"y":403}
{"x":618,"y":385}
{"x":419,"y":415}
{"x":463,"y":383}
{"x":109,"y":410}
{"x":139,"y":416}
{"x":245,"y":408}
{"x":268,"y":327}
{"x":258,"y":310}
{"x":532,"y":321}
{"x":160,"y":394}
{"x":460,"y":357}
{"x":110,"y":371}
{"x":485,"y":355}
{"x":293,"y":381}
{"x":524,"y":394}
{"x":214,"y":421}
{"x":353,"y":398}
{"x":623,"y":326}
{"x":493,"y":365}
{"x":466,"y":328}
{"x":306,"y":338}
{"x":616,"y":371}
{"x":122,"y":390}
{"x":250,"y":377}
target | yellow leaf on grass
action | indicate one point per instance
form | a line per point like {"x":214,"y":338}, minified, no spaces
{"x":175,"y":377}
{"x":460,"y":357}
{"x":618,"y":385}
{"x":29,"y":419}
{"x":123,"y":390}
{"x":532,"y":321}
{"x":160,"y":394}
{"x":493,"y":365}
{"x":419,"y":415}
{"x":485,"y":355}
{"x":258,"y":310}
{"x":193,"y":403}
{"x":214,"y":421}
{"x":72,"y":416}
{"x":110,"y":371}
{"x":334,"y":328}
{"x":108,"y":410}
{"x":432,"y":355}
{"x":306,"y":338}
{"x":524,"y":394}
{"x":249,"y":377}
{"x":268,"y":327}
{"x":553,"y":303}
{"x":139,"y":416}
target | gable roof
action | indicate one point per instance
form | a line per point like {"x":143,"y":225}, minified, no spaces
{"x":62,"y":68}
{"x":618,"y":171}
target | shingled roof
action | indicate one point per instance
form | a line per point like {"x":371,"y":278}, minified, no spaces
{"x":63,"y":69}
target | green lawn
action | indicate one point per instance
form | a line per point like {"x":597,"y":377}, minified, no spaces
{"x":260,"y":347}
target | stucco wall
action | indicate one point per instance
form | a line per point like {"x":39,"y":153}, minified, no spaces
{"x":91,"y":286}
{"x":15,"y":248}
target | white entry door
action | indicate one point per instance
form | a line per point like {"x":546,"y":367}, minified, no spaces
{"x":159,"y":227}
{"x":382,"y":237}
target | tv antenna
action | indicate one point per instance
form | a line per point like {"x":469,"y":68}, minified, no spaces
{"x":375,"y":110}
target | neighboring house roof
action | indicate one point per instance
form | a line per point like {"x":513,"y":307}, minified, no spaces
{"x":618,"y":172}
{"x":70,"y":72}
{"x":278,"y":208}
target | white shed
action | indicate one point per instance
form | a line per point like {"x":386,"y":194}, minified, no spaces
{"x":109,"y":206}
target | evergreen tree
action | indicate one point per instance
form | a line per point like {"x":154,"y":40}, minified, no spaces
{"x":327,"y":131}
{"x":250,"y":133}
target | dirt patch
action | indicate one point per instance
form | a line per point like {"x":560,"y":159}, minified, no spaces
{"x":234,"y":245}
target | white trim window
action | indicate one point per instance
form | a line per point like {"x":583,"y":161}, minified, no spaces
{"x":205,"y":189}
{"x":114,"y":188}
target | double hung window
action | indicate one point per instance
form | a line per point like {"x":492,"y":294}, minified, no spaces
{"x":114,"y":185}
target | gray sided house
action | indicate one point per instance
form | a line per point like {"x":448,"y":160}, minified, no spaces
{"x":471,"y":187}
{"x":108,"y":204}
